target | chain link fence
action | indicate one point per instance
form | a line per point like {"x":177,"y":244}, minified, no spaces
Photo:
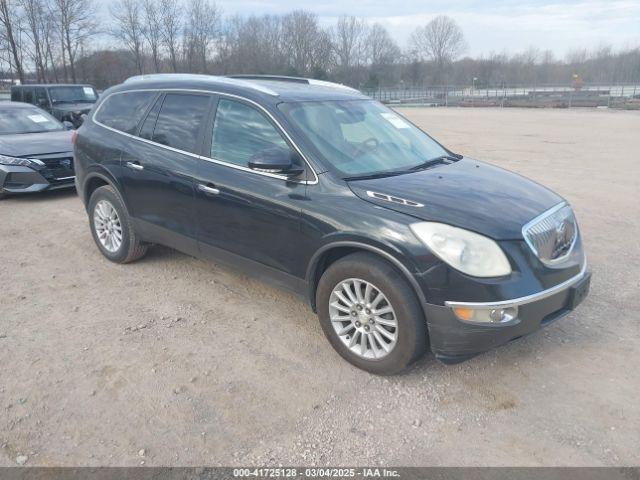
{"x":553,"y":96}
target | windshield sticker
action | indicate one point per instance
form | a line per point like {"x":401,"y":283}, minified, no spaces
{"x":88,"y":91}
{"x":38,"y":118}
{"x":395,"y":120}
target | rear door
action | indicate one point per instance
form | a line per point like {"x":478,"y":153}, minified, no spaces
{"x":160,"y":165}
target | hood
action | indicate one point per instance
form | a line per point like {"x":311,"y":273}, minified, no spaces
{"x":73,"y":107}
{"x":466,"y":194}
{"x":27,"y":144}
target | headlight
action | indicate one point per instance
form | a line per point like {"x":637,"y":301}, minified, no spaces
{"x":466,"y":251}
{"x":20,"y":162}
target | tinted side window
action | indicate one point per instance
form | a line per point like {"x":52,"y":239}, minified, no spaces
{"x":16,"y":95}
{"x":41,"y":97}
{"x":146,"y":131}
{"x":180,"y":119}
{"x":124,"y":111}
{"x":239,"y":131}
{"x":28,"y":95}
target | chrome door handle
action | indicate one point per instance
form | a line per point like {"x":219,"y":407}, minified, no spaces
{"x":134,"y":166}
{"x":209,"y":190}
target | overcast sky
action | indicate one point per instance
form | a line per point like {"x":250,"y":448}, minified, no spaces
{"x":489,"y":25}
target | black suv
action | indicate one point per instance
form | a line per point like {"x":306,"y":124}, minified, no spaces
{"x":396,"y":242}
{"x":67,"y":102}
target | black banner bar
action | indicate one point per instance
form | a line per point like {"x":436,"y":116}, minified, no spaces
{"x":391,"y":473}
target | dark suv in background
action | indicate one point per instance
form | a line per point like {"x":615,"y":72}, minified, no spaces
{"x":66,"y":102}
{"x":396,"y":242}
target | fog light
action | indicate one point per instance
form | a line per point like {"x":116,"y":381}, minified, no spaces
{"x":486,"y":315}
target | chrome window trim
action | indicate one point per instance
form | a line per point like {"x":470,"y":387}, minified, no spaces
{"x":541,"y":217}
{"x":523,"y":300}
{"x":202,"y":157}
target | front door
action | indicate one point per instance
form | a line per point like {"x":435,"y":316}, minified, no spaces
{"x":242,"y":212}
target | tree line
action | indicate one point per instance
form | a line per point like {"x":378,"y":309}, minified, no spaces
{"x":63,"y":41}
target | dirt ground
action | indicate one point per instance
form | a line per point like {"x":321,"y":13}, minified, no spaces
{"x":176,"y":361}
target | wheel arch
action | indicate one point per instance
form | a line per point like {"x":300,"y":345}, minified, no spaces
{"x":334,"y":251}
{"x":95,"y":180}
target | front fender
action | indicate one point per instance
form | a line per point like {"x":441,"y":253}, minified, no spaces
{"x":387,"y":250}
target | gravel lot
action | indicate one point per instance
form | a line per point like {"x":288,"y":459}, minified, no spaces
{"x":176,"y":361}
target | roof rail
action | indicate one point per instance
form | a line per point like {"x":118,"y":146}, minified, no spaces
{"x":278,"y":78}
{"x":211,"y":78}
{"x":324,"y":83}
{"x":284,"y":78}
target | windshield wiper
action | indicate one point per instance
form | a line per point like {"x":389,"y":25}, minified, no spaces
{"x":35,"y":131}
{"x":371,"y":176}
{"x":435,"y":161}
{"x":391,"y":173}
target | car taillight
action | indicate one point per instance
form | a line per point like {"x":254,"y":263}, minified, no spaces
{"x":74,"y":137}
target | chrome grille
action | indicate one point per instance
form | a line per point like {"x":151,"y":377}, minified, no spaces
{"x":552,"y":235}
{"x":57,"y":166}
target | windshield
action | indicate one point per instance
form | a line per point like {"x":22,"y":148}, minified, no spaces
{"x":72,"y":94}
{"x":362,"y":137}
{"x":27,"y":120}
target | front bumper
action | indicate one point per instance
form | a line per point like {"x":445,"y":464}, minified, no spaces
{"x":19,"y":179}
{"x":453,"y":340}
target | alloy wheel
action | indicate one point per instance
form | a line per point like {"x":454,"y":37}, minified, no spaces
{"x":107,"y":225}
{"x":363,"y":318}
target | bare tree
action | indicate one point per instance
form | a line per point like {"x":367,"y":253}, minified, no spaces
{"x":579,"y":55}
{"x":8,"y":20}
{"x":383,"y":55}
{"x":36,"y":31}
{"x":152,"y":30}
{"x":201,"y":28}
{"x":381,"y":48}
{"x":252,"y":45}
{"x":76,"y":20}
{"x":129,"y":28}
{"x":171,"y":24}
{"x":348,"y":38}
{"x":308,"y":47}
{"x":441,"y":41}
{"x":49,"y":45}
{"x":51,"y":40}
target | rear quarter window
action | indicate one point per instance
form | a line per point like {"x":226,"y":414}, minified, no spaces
{"x":123,"y":111}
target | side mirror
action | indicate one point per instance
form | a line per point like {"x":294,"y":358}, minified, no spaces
{"x":68,"y":125}
{"x":276,"y":160}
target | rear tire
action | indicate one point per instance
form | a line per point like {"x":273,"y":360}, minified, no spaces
{"x":112,"y":228}
{"x":349,"y":289}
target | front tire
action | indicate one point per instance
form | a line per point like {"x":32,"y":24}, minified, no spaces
{"x":370,"y":314}
{"x":112,"y":228}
